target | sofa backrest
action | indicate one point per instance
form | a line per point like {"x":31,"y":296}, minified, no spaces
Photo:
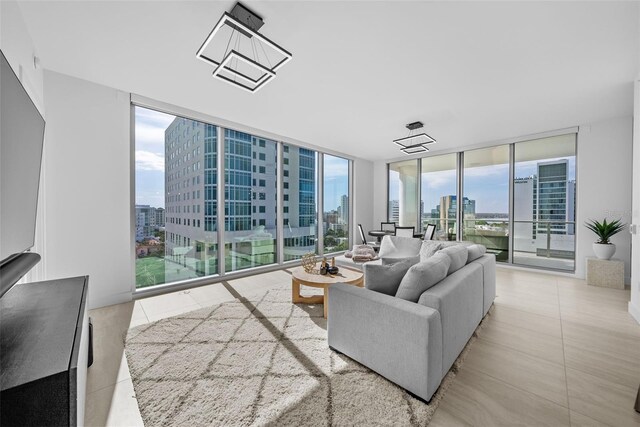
{"x":458,"y":255}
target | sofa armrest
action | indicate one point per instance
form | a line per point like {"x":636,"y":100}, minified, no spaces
{"x":399,"y":339}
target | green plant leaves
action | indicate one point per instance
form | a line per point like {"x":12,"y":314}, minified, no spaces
{"x":605,"y":230}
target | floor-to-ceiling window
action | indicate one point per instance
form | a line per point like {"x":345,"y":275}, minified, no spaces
{"x":485,"y":199}
{"x":528,"y":220}
{"x":439,"y":190}
{"x":250,"y":190}
{"x":175,"y":196}
{"x":336,"y":204}
{"x":403,"y":193}
{"x":300,"y":192}
{"x":544,"y":190}
{"x":185,"y":202}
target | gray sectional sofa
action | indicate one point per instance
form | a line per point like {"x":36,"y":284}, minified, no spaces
{"x":416,"y":312}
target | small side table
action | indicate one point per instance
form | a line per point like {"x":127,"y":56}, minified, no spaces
{"x":606,"y":273}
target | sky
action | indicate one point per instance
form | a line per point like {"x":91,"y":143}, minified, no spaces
{"x":336,"y":181}
{"x":487,"y":185}
{"x":149,"y":132}
{"x":150,"y":126}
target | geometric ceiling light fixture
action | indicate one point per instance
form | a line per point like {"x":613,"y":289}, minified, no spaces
{"x":240,"y":54}
{"x":414,"y":142}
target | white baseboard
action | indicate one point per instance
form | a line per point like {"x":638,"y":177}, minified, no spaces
{"x":106,"y":300}
{"x":634,"y":311}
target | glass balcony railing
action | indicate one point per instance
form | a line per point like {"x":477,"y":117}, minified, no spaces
{"x":492,"y":233}
{"x":445,"y":228}
{"x":548,"y":244}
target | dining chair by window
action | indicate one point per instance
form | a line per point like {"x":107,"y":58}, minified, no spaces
{"x":363,"y":237}
{"x":428,"y":232}
{"x":405,"y":231}
{"x":388,"y":226}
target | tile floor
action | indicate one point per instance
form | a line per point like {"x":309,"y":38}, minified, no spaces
{"x":555,"y":351}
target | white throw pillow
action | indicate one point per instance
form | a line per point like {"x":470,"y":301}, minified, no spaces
{"x":399,"y":247}
{"x":429,"y":248}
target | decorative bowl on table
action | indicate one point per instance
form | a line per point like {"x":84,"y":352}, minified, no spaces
{"x":308,"y":262}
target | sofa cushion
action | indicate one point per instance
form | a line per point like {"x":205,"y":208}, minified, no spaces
{"x":422,"y":276}
{"x":458,"y":255}
{"x":386,"y":278}
{"x":475,"y":252}
{"x":399,"y":247}
{"x":429,"y":248}
{"x":388,"y":261}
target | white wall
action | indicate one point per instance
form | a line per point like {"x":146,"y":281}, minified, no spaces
{"x":87,"y":202}
{"x":363,"y":186}
{"x":634,"y":303}
{"x":604,"y":185}
{"x":17,"y":46}
{"x":380,"y":194}
{"x":20,"y":51}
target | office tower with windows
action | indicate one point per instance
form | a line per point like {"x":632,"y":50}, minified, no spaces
{"x":250,"y":183}
{"x":159,"y":214}
{"x":299,"y":197}
{"x":543,"y":204}
{"x":553,"y":196}
{"x":146,"y":221}
{"x":447,"y":209}
{"x":343,"y":210}
{"x":524,"y":206}
{"x":394,"y":211}
{"x":190,"y":195}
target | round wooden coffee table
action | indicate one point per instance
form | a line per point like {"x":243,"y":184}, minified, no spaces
{"x":301,"y":277}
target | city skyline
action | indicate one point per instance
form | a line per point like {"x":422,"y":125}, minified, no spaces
{"x":489,"y":185}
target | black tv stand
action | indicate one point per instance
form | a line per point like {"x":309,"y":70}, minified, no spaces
{"x":44,"y":352}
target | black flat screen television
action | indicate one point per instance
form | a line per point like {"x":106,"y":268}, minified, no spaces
{"x":21,"y":143}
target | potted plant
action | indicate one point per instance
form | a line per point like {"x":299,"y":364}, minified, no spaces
{"x":603,"y":248}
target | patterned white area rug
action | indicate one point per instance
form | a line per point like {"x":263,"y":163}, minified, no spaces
{"x":262,"y":361}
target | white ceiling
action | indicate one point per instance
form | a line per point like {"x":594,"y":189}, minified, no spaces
{"x":472,"y":72}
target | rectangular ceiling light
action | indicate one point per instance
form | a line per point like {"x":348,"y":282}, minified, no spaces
{"x":413,"y":140}
{"x":227,"y":19}
{"x":267,"y":74}
{"x":414,"y":149}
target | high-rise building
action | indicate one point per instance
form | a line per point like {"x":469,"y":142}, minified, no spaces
{"x":545,"y":201}
{"x":147,"y":221}
{"x":343,"y":210}
{"x":190,"y":189}
{"x":447,"y":209}
{"x":553,"y":196}
{"x":394,"y":211}
{"x":159,"y":217}
{"x":250,"y":200}
{"x":524,"y":206}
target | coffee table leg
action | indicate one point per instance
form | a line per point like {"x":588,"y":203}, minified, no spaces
{"x":325,"y":303}
{"x":295,"y":291}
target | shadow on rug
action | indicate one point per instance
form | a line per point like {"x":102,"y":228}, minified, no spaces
{"x":262,"y":361}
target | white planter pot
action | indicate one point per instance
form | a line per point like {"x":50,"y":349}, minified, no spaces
{"x":604,"y":251}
